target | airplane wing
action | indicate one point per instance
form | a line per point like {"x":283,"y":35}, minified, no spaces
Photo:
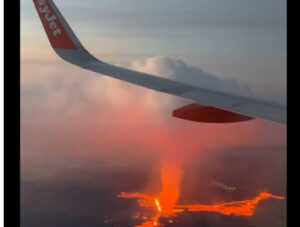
{"x":228,"y":106}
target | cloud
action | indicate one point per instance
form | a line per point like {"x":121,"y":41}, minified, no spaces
{"x":74,"y":119}
{"x":61,"y":94}
{"x":55,"y":90}
{"x":180,"y":71}
{"x":70,"y":109}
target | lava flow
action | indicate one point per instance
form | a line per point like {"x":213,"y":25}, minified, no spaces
{"x":236,"y":208}
{"x":164,"y":204}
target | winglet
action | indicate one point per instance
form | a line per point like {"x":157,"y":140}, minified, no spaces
{"x":60,"y":35}
{"x":58,"y":31}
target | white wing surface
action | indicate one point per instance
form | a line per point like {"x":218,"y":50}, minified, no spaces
{"x":68,"y":47}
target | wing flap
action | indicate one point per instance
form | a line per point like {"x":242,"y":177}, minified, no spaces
{"x":196,"y":112}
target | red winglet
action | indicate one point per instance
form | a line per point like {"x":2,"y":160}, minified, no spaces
{"x":56,"y":33}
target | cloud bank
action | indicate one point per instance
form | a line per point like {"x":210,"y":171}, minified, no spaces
{"x":71,"y":109}
{"x":77,"y":126}
{"x":180,"y":71}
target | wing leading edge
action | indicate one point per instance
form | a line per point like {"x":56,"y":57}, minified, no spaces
{"x":67,"y":46}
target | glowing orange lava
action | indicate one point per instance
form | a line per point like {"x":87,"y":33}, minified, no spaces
{"x":158,"y":205}
{"x":165,"y":203}
{"x":236,"y":208}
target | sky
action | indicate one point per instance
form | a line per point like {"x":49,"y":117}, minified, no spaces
{"x":85,"y":137}
{"x":244,"y":40}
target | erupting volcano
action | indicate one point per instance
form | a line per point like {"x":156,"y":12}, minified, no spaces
{"x":164,"y":206}
{"x":165,"y":203}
